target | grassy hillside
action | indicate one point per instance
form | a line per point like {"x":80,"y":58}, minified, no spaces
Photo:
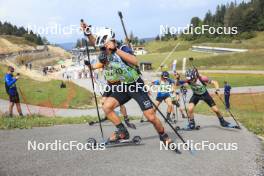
{"x":49,"y":93}
{"x":9,"y":44}
{"x":251,"y":60}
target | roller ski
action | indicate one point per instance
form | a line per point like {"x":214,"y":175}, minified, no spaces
{"x":226,"y":124}
{"x":118,"y":138}
{"x":191,"y":126}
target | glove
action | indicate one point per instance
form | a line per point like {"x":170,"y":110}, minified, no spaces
{"x":85,"y":28}
{"x":87,"y":62}
{"x":217,"y":91}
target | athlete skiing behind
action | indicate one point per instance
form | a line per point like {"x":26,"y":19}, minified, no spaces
{"x":198,"y":85}
{"x":165,"y":91}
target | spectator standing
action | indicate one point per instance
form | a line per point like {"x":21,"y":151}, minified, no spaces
{"x":227,"y":91}
{"x":11,"y":89}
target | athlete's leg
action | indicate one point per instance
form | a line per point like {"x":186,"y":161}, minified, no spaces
{"x":209,"y":100}
{"x":146,"y":106}
{"x":123,"y":111}
{"x":169,"y":104}
{"x":216,"y":111}
{"x":191,"y":111}
{"x":169,"y":108}
{"x":157,"y":103}
{"x":127,"y":121}
{"x":110,"y":103}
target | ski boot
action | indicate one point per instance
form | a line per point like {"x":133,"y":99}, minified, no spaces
{"x":167,"y":141}
{"x":169,"y":118}
{"x":224,"y":123}
{"x":191,"y":124}
{"x":118,"y":136}
{"x":183,"y":116}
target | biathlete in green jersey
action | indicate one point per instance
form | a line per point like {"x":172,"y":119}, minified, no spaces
{"x":120,"y":69}
{"x":198,"y":85}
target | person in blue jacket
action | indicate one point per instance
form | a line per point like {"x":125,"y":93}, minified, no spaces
{"x":11,"y":89}
{"x":227,"y":90}
{"x":165,"y":92}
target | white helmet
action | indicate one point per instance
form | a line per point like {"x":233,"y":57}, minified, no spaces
{"x":103,"y":36}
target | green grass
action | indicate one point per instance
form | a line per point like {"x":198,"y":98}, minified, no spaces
{"x":254,"y":43}
{"x":251,"y":60}
{"x":247,"y":108}
{"x":49,"y":94}
{"x":166,"y":46}
{"x":29,"y":122}
{"x":237,"y":80}
{"x":157,"y":58}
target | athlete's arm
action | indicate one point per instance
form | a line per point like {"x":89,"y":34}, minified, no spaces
{"x":97,"y":66}
{"x":215,"y":83}
{"x":129,"y":58}
{"x":87,"y":32}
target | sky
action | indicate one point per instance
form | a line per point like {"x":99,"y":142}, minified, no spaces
{"x":144,"y":18}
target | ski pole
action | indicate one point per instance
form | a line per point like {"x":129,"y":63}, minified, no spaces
{"x":24,"y":98}
{"x":228,"y":110}
{"x":95,"y":97}
{"x":124,"y":28}
{"x":175,"y":131}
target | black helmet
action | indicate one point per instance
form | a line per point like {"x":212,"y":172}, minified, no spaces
{"x":165,"y":74}
{"x":191,"y":74}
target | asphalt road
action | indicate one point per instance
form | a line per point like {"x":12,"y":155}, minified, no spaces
{"x":146,"y":159}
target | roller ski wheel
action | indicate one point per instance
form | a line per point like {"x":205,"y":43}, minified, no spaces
{"x":91,"y":123}
{"x":91,"y":142}
{"x":137,"y":140}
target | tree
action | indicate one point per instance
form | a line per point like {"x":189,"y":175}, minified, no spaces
{"x":195,"y":21}
{"x":45,"y":41}
{"x":208,"y":19}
